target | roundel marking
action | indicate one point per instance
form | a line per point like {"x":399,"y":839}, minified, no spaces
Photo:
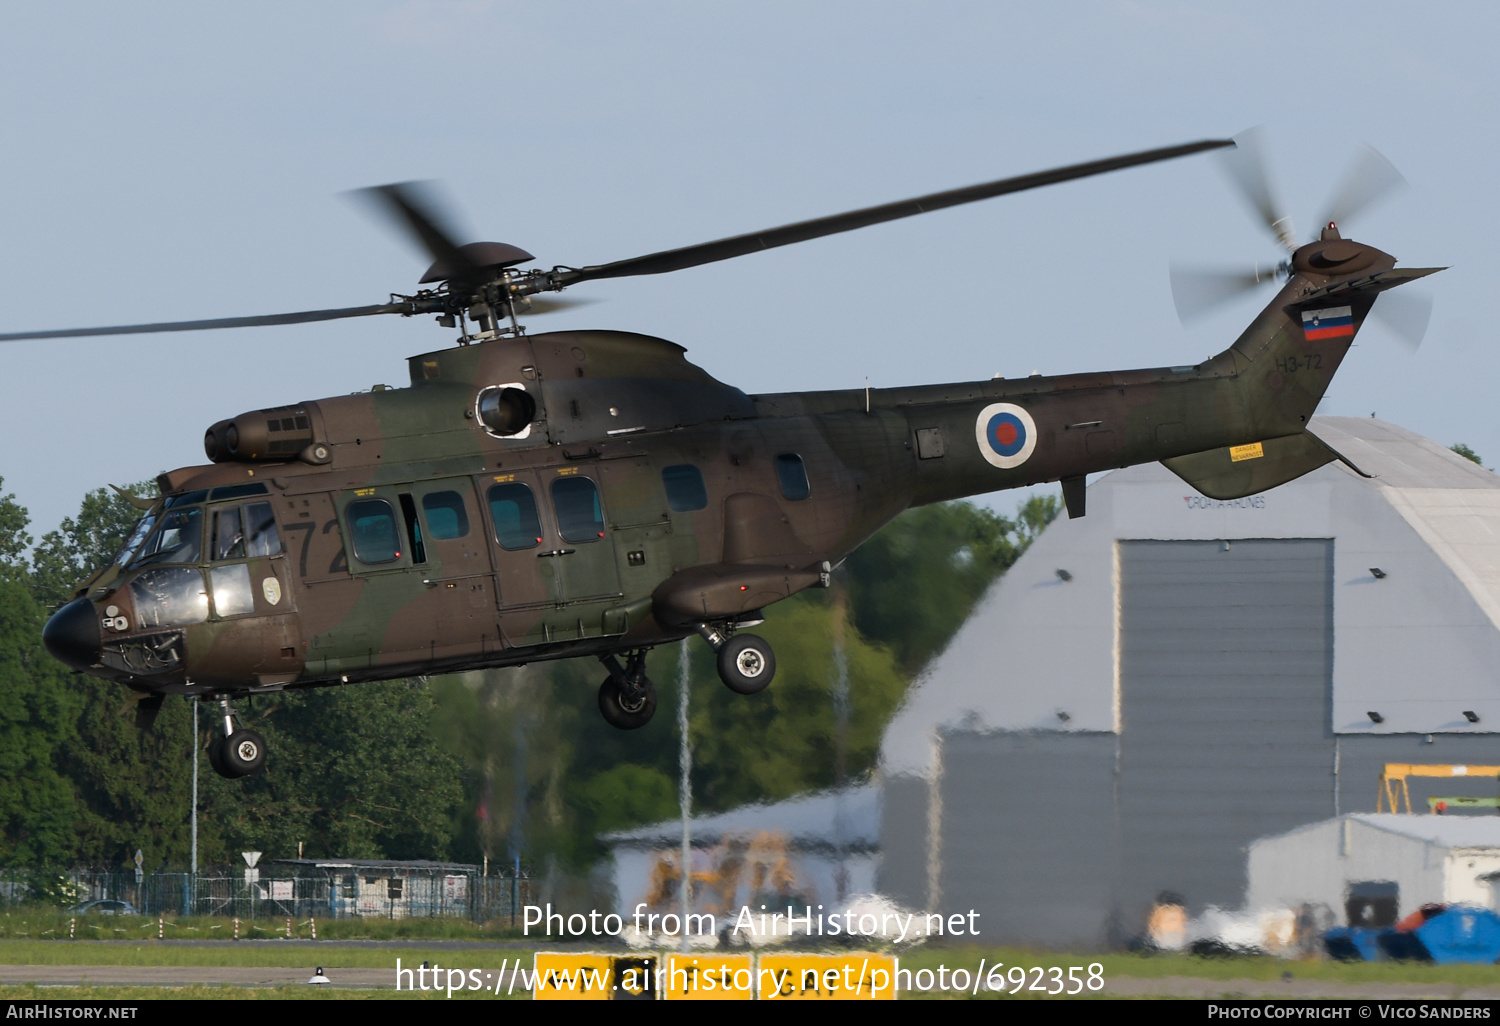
{"x":1006,"y":435}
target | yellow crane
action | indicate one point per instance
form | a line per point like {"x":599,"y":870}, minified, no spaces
{"x":1393,"y":780}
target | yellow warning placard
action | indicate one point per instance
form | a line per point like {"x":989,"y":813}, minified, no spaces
{"x":858,"y":976}
{"x":1253,"y":451}
{"x":574,"y":976}
{"x":710,"y":977}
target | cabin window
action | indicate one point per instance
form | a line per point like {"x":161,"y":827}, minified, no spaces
{"x":793,"y":476}
{"x":446,"y":516}
{"x":580,"y":517}
{"x":513,"y":509}
{"x":685,"y":491}
{"x":231,"y":589}
{"x":372,"y":523}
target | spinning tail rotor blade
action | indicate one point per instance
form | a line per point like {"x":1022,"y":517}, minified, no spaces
{"x":1246,"y":165}
{"x":1370,"y":178}
{"x":1406,"y":314}
{"x":1198,"y":291}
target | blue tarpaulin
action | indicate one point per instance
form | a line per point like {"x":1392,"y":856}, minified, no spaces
{"x":1456,"y":934}
{"x":1461,"y":933}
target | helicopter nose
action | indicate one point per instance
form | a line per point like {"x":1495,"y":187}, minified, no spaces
{"x":72,"y":634}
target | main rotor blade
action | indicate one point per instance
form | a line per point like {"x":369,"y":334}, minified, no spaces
{"x":1369,"y":179}
{"x":1248,"y":169}
{"x":208,"y":325}
{"x":802,"y":231}
{"x":414,"y":207}
{"x":1197,"y":291}
{"x":530,"y":306}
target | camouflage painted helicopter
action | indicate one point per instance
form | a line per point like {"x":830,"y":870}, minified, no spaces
{"x":592,"y":493}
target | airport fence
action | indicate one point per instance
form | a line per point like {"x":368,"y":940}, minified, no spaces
{"x":390,"y":893}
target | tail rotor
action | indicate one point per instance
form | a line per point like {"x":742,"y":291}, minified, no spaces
{"x":1198,"y":290}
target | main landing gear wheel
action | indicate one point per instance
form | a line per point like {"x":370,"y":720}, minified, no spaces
{"x":746,"y":664}
{"x":627,"y":698}
{"x":624,"y":711}
{"x":242,"y":753}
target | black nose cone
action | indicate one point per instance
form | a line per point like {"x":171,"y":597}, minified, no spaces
{"x":72,"y":635}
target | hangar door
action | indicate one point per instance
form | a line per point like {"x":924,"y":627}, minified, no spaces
{"x":1225,"y":678}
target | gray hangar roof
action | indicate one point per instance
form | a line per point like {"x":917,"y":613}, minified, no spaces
{"x":1420,"y":644}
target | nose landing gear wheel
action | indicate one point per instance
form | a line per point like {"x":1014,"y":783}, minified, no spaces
{"x":746,"y":664}
{"x":625,"y":711}
{"x":241,"y":754}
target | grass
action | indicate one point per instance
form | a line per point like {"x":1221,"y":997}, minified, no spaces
{"x":25,"y":952}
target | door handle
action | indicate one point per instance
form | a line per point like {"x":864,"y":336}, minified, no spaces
{"x":556,"y":552}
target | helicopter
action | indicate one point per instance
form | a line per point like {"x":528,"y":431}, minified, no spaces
{"x":569,"y":494}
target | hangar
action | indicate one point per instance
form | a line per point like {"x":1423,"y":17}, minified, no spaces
{"x":1156,"y":685}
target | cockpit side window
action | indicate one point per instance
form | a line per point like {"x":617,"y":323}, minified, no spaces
{"x":237,"y":532}
{"x":228,"y":535}
{"x":261,"y":536}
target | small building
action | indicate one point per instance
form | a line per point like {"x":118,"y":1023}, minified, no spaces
{"x":1374,"y":868}
{"x":372,"y":887}
{"x":806,"y":851}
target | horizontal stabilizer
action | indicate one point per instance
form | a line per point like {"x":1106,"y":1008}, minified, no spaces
{"x":1368,"y":285}
{"x":1236,"y":471}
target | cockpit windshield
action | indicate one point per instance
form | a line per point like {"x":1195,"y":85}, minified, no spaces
{"x":177,"y":537}
{"x":138,"y":535}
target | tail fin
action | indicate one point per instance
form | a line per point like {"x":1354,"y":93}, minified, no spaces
{"x":1287,"y":357}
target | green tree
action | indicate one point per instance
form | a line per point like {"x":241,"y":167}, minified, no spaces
{"x":350,"y":772}
{"x":37,"y":711}
{"x":915,"y":583}
{"x":1467,"y":453}
{"x":14,"y":541}
{"x":37,"y":808}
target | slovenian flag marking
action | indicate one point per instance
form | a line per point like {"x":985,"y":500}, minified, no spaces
{"x":1334,"y":322}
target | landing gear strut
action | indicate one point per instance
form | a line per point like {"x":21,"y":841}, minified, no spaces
{"x":627,"y":698}
{"x":746,"y":662}
{"x":239,"y":753}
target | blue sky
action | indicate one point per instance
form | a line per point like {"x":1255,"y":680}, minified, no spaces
{"x":173,"y":160}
